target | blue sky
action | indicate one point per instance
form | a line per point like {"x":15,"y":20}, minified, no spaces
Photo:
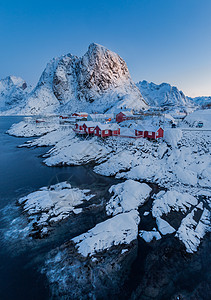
{"x":160,"y":40}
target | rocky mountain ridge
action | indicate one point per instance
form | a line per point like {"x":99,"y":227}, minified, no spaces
{"x":164,"y":96}
{"x":98,"y":81}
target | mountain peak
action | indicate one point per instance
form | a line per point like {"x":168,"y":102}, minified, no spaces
{"x":97,"y":81}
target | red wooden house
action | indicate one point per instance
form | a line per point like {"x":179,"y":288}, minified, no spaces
{"x":104,"y":130}
{"x":123,"y":116}
{"x":89,"y":126}
{"x":139,"y":131}
{"x":115,"y":129}
{"x":150,"y":133}
{"x":79,"y":128}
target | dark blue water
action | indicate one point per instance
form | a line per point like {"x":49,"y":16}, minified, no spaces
{"x":21,"y":172}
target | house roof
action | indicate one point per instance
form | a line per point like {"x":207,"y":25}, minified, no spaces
{"x":126,"y":131}
{"x":113,"y":126}
{"x":147,"y":128}
{"x":140,"y":128}
{"x":91,"y":123}
{"x":127,"y":113}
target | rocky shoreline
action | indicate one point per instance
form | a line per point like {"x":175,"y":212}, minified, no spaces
{"x":133,"y":239}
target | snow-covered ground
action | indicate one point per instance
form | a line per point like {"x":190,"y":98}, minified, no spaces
{"x":29,"y":127}
{"x":200,"y":116}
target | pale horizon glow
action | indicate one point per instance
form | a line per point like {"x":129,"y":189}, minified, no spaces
{"x":161,"y":41}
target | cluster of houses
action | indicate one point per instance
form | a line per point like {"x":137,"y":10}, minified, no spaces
{"x":104,"y":125}
{"x":92,"y":125}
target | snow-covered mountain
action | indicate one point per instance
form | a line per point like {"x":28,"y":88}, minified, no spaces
{"x":164,"y":95}
{"x":98,"y":81}
{"x":202,"y":101}
{"x":12,"y":92}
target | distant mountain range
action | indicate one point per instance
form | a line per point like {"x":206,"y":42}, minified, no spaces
{"x":99,"y":81}
{"x":203,"y":101}
{"x":164,"y":95}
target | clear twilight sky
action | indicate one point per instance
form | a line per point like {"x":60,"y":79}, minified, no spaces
{"x":160,"y":40}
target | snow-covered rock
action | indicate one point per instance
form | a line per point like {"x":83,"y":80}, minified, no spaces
{"x":127,"y":196}
{"x":172,"y":200}
{"x":52,"y":204}
{"x":73,"y":151}
{"x":30,"y":128}
{"x":148,"y":236}
{"x":191,"y":232}
{"x":164,"y":95}
{"x":120,"y":229}
{"x":164,"y":227}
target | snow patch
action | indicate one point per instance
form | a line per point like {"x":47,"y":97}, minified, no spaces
{"x":120,"y":229}
{"x":127,"y":196}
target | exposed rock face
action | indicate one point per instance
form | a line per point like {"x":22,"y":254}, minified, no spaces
{"x":97,"y":277}
{"x":98,"y":81}
{"x":164,"y":95}
{"x":100,"y":69}
{"x":12,"y":91}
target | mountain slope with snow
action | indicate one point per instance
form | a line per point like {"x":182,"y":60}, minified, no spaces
{"x":98,"y":81}
{"x":12,"y":92}
{"x":164,"y":95}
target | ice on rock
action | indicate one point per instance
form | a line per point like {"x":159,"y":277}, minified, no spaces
{"x":127,"y":196}
{"x":120,"y":229}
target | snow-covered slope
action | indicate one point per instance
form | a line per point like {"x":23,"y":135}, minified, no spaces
{"x":199,"y":116}
{"x":98,"y":81}
{"x":164,"y":95}
{"x":12,"y":91}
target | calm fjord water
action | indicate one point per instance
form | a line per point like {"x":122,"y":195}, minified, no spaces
{"x":22,"y":172}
